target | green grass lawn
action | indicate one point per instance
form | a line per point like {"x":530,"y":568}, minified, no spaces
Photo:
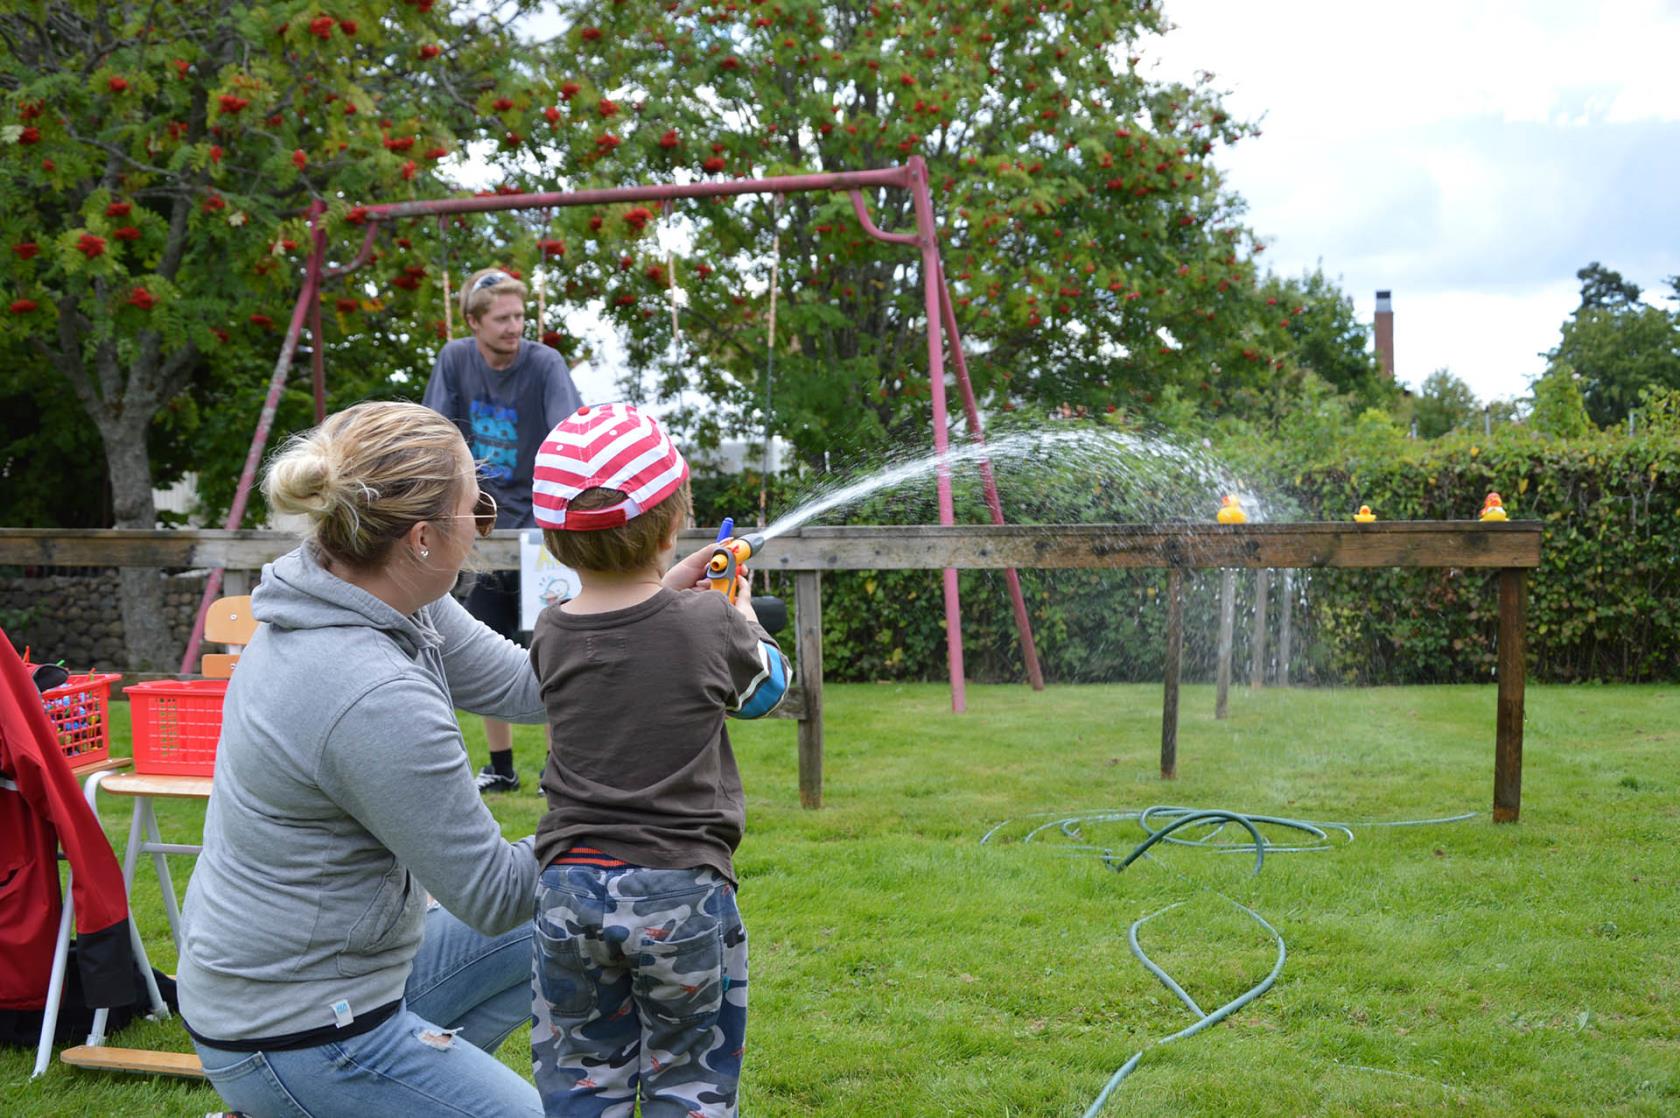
{"x":899,"y":967}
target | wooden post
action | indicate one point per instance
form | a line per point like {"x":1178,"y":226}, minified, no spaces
{"x":807,"y":622}
{"x":1257,"y":666}
{"x":1286,"y":634}
{"x":1175,"y":650}
{"x":1227,"y":621}
{"x":1508,"y":741}
{"x":236,"y":583}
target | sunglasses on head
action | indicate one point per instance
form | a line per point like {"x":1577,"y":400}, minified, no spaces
{"x":489,"y":279}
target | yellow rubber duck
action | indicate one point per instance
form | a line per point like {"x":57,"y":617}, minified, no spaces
{"x":1365,"y":515}
{"x":1230,"y":512}
{"x":1493,"y":508}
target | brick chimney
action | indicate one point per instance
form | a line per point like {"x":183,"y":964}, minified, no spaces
{"x":1385,"y":332}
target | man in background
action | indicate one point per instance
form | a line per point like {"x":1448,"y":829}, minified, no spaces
{"x":505,"y":394}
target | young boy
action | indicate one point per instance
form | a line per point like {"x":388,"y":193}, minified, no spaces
{"x":640,"y":956}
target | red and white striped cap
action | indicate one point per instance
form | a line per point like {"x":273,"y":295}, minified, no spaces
{"x":603,"y":446}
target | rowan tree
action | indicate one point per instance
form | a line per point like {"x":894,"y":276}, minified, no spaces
{"x":157,"y":162}
{"x":1094,"y":254}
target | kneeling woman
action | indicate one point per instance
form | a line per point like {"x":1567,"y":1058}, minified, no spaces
{"x":316,"y":978}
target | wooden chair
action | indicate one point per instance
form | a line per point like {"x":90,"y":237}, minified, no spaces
{"x":228,"y":622}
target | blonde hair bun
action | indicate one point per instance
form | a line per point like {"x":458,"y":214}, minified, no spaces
{"x":303,"y":478}
{"x":366,"y":474}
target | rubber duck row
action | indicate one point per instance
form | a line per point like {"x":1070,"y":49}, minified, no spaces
{"x":1231,"y":511}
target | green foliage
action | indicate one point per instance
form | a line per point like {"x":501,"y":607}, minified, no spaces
{"x":1444,"y":403}
{"x":52,"y":473}
{"x":1618,"y":345}
{"x":1604,"y":288}
{"x":1661,"y":410}
{"x":1092,"y":250}
{"x":158,"y":167}
{"x":1604,"y":605}
{"x":1330,"y":340}
{"x":1558,"y":407}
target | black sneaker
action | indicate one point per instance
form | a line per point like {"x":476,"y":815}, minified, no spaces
{"x":489,"y":780}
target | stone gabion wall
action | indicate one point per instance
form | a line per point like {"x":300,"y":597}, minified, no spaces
{"x":76,"y":618}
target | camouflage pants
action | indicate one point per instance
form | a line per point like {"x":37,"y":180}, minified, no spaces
{"x":640,"y":990}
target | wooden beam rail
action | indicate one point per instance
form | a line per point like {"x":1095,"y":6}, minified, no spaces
{"x":896,"y":547}
{"x":1512,"y":548}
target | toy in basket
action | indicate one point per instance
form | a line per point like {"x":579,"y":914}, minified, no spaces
{"x":79,"y":710}
{"x":177,"y":725}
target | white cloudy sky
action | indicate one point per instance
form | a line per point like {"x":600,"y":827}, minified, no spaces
{"x":1468,"y":154}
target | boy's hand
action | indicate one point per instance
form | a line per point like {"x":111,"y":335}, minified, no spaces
{"x":689,"y":573}
{"x":743,"y":594}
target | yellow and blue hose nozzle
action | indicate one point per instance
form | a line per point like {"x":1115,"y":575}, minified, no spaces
{"x":723,"y":569}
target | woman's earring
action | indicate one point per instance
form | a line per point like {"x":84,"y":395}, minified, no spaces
{"x":424,"y":553}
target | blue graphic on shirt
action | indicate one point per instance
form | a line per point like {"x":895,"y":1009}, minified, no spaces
{"x":495,"y":439}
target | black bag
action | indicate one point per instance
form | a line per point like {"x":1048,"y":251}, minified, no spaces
{"x":21,"y":1028}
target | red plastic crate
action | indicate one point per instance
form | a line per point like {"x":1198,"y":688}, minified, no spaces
{"x":177,"y":725}
{"x":79,"y":709}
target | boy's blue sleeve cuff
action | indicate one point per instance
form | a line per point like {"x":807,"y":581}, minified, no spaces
{"x":767,"y":690}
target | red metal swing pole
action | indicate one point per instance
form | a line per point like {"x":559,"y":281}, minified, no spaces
{"x":782,"y":184}
{"x":912,"y":177}
{"x":265,"y":421}
{"x":1023,"y":623}
{"x":927,"y":238}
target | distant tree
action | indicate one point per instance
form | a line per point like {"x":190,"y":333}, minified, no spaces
{"x":1503,"y":411}
{"x":1444,"y":403}
{"x":155,"y":161}
{"x":1329,"y":339}
{"x":1604,"y":288}
{"x":1618,"y":345}
{"x":1558,"y":408}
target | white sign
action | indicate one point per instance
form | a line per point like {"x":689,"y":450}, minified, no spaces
{"x":543,"y":580}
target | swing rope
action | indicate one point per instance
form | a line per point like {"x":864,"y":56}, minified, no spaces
{"x":671,"y":281}
{"x":448,"y":299}
{"x":770,"y":355}
{"x":538,"y":275}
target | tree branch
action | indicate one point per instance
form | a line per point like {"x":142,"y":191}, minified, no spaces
{"x":67,"y":358}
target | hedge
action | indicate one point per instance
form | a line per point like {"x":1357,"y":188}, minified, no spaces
{"x":1604,"y":605}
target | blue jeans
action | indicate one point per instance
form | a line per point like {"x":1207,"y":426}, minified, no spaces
{"x":411,"y":1064}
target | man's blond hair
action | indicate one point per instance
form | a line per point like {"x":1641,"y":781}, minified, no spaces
{"x":482,"y":288}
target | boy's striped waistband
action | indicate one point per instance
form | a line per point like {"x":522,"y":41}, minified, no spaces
{"x":589,"y":856}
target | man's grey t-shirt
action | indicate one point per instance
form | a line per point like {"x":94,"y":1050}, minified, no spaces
{"x":504,"y":414}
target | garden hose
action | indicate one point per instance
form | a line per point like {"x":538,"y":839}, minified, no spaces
{"x":1162,"y":824}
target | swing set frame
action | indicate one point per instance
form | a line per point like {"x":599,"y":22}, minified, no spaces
{"x":912,"y":176}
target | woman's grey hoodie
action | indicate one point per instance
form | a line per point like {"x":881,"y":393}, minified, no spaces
{"x":342,"y":790}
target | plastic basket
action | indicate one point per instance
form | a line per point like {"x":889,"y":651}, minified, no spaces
{"x":79,"y":709}
{"x":176,"y":725}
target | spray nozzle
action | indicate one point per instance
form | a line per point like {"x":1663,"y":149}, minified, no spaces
{"x":723,"y":569}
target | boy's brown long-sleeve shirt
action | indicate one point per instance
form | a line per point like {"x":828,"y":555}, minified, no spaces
{"x":639,"y":763}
